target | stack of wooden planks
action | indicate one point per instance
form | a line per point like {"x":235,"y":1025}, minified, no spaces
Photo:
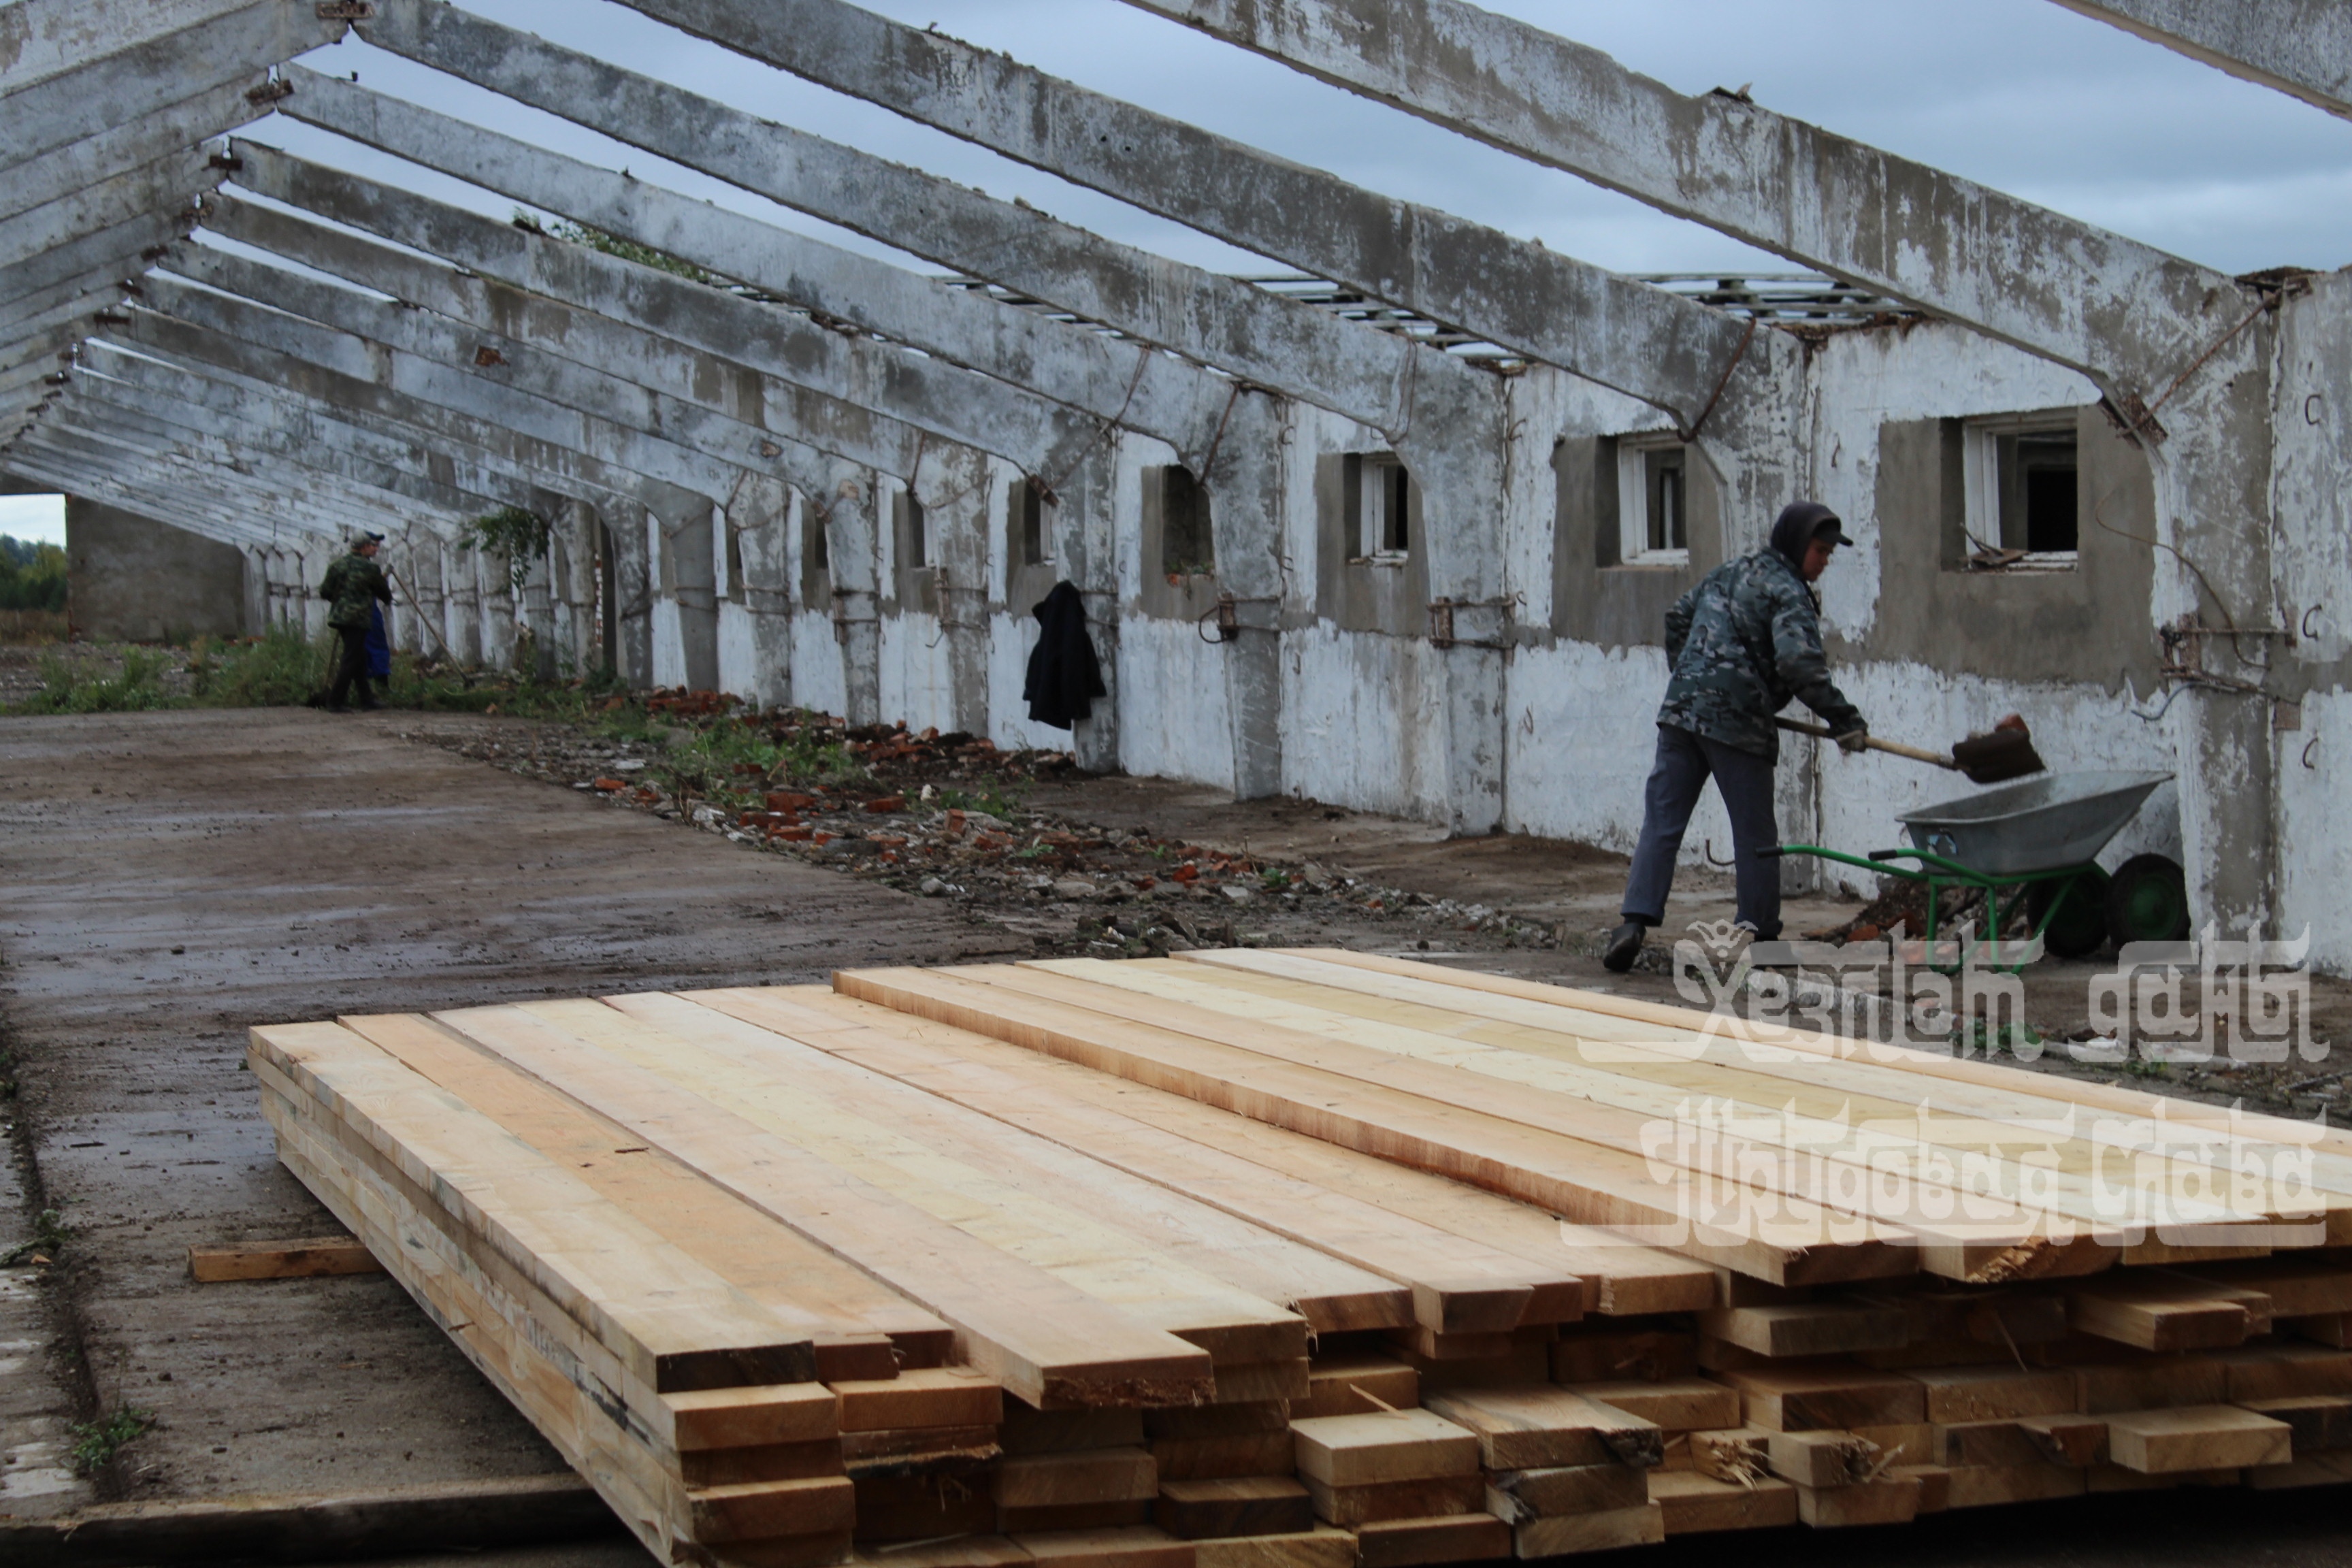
{"x":1311,"y":1259}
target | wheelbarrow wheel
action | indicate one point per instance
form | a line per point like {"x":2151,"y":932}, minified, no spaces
{"x":2078,"y":927}
{"x":2148,"y":900}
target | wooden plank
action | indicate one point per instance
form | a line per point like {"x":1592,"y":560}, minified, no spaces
{"x":1552,"y":1096}
{"x":1990,"y":1486}
{"x":1025,"y":1522}
{"x":1690,"y":1503}
{"x":1321,"y":1547}
{"x":1030,"y":1431}
{"x":2146,"y":1382}
{"x":2117,"y":1478}
{"x":921,"y":1508}
{"x":1456,"y":1283}
{"x":1410,"y":1542}
{"x":539,"y":1372}
{"x":1330,"y":1091}
{"x":1429,"y":1497}
{"x":1253,"y":1505}
{"x":2054,"y":1211}
{"x":2104,"y":1189}
{"x":1053,"y":1345}
{"x":1890,"y":1500}
{"x":1533,"y":1428}
{"x":1961,"y":1394}
{"x":1089,"y":1475}
{"x":1517,"y":1496}
{"x":762,"y":1510}
{"x":1619,"y":1277}
{"x":673,"y":1322}
{"x":965,"y":1552}
{"x":1406,"y":1445}
{"x":1222,"y":1458}
{"x":752,"y":1417}
{"x":2334,"y":1147}
{"x":1217,"y":1221}
{"x":1233,"y":1420}
{"x":2297,"y":1286}
{"x":2274,"y":1371}
{"x":1808,"y":1329}
{"x":309,"y":1258}
{"x":765,"y":1260}
{"x":1675,"y":1404}
{"x":922,"y":1451}
{"x":1135,"y":1246}
{"x":2320,"y":1422}
{"x":1807,"y":1399}
{"x":942,"y":1397}
{"x":1645,"y":1354}
{"x":1357,"y":1386}
{"x":1139,"y":1547}
{"x":1564,"y":1534}
{"x":2154,"y":1311}
{"x":1821,"y":1459}
{"x":2195,"y":1437}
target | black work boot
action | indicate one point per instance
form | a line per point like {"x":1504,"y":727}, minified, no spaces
{"x":1625,"y":946}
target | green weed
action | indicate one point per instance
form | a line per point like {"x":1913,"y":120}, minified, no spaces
{"x":50,"y":1234}
{"x":282,"y":668}
{"x":97,"y":1442}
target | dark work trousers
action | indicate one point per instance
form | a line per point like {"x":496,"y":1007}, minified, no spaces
{"x":1686,"y":761}
{"x":354,"y":669}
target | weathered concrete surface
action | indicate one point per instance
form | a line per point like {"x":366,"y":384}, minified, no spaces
{"x":305,"y":867}
{"x":2301,"y":47}
{"x":132,"y":577}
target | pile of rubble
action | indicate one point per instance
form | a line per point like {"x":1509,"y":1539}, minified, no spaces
{"x":943,"y":815}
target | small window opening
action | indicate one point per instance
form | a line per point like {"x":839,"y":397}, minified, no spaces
{"x":734,"y":562}
{"x":913,"y":549}
{"x":1653,"y":502}
{"x":1029,"y":523}
{"x":1187,"y":545}
{"x":1379,"y":496}
{"x":2024,"y":500}
{"x":818,"y":548}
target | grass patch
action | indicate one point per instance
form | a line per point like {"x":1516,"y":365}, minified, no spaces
{"x":97,"y":1442}
{"x":282,"y":668}
{"x":1007,"y":803}
{"x":31,"y":628}
{"x":69,"y":687}
{"x":732,"y":762}
{"x":50,"y":1234}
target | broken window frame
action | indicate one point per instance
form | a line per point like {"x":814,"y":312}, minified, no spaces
{"x":1177,"y":565}
{"x":912,"y":529}
{"x":1381,"y":527}
{"x":1992,"y":544}
{"x":1637,"y":520}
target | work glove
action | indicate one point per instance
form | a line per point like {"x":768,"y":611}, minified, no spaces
{"x":1853,"y":742}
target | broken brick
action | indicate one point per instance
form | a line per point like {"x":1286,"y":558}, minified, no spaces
{"x":888,"y":803}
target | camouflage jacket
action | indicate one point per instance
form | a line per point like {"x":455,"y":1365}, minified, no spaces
{"x":1741,"y":643}
{"x":352,"y":584}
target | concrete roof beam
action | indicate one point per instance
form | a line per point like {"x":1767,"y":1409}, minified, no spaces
{"x":2299,"y":48}
{"x":1277,"y":343}
{"x":2125,"y":313}
{"x":133,"y":71}
{"x":1629,"y":336}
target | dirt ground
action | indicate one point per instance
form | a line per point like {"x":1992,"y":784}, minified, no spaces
{"x":168,"y":879}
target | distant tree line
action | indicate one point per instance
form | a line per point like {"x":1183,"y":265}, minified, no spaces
{"x":32,"y":575}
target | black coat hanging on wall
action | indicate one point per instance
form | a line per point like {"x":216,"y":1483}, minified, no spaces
{"x":1064,"y":677}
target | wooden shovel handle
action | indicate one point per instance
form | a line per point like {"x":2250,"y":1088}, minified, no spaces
{"x":1893,"y":748}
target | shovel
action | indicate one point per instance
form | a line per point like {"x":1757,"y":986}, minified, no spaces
{"x":2005,"y":752}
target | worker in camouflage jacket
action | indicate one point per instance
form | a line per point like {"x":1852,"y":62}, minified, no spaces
{"x":1740,"y":645}
{"x":354,"y":585}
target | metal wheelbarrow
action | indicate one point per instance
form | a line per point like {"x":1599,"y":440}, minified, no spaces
{"x":2030,"y":845}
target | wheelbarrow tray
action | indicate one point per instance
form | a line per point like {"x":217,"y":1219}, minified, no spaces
{"x":2042,"y":824}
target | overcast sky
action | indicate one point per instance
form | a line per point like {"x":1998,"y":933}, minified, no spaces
{"x":2020,"y":94}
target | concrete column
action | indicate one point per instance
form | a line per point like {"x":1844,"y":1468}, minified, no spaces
{"x":853,"y":533}
{"x":1247,"y":507}
{"x":956,"y":491}
{"x":758,"y":519}
{"x":1089,"y":538}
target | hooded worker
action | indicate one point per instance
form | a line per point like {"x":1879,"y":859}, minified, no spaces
{"x":1740,"y":645}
